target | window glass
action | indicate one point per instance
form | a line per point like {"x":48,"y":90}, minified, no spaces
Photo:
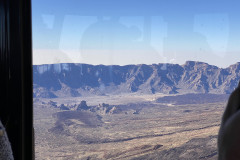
{"x":132,"y":79}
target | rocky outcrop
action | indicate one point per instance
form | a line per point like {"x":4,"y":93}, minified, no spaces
{"x":104,"y":109}
{"x":53,"y":104}
{"x":83,"y":106}
{"x":63,"y":107}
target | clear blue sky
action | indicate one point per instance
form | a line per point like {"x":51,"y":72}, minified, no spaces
{"x":136,"y":31}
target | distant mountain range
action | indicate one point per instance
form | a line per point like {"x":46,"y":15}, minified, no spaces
{"x":72,"y":80}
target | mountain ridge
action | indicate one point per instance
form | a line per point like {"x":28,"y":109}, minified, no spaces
{"x":73,"y":80}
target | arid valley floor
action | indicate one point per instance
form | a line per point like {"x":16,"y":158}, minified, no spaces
{"x":147,"y":127}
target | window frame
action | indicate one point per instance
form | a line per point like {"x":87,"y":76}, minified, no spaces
{"x":16,"y":111}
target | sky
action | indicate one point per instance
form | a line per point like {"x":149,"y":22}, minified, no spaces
{"x":135,"y":32}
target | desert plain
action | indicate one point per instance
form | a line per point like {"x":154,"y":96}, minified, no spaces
{"x":144,"y":127}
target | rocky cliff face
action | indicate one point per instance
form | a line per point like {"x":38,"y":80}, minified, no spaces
{"x":69,"y":80}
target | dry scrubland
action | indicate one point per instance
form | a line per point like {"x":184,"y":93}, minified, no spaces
{"x":158,"y":130}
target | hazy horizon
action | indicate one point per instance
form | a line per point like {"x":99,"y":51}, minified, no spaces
{"x":134,"y":64}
